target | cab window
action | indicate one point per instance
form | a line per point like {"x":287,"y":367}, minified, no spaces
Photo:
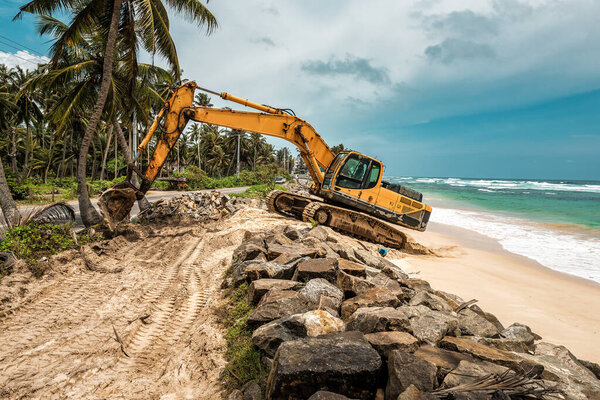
{"x":373,"y":175}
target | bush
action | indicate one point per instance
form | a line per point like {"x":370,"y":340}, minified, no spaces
{"x":18,"y":192}
{"x":34,"y":241}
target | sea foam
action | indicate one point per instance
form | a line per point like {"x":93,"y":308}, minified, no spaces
{"x":566,"y":251}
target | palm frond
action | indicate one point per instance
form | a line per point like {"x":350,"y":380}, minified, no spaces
{"x":58,"y":213}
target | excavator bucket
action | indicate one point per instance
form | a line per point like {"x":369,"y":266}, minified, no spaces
{"x":116,"y":203}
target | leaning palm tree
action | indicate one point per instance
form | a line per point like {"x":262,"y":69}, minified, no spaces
{"x":9,"y":207}
{"x":153,"y":30}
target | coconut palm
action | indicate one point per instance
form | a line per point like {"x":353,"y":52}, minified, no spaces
{"x":152,"y":30}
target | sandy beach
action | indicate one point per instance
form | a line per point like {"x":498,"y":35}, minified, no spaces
{"x":563,"y":309}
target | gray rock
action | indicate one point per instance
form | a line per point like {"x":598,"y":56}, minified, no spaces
{"x":292,"y":233}
{"x":406,"y":369}
{"x":469,"y":371}
{"x":520,"y":332}
{"x":429,"y":325}
{"x":385,"y":342}
{"x":394,"y":272}
{"x":344,"y":251}
{"x":277,"y":304}
{"x":275,"y":250}
{"x":269,"y":270}
{"x":319,"y":232}
{"x":444,"y":360}
{"x":413,"y":393}
{"x":381,"y":279}
{"x":379,"y":296}
{"x":473,"y":324}
{"x":501,"y":343}
{"x":325,"y":268}
{"x":378,"y":319}
{"x":249,"y":251}
{"x":239,"y":268}
{"x":514,"y":361}
{"x":319,"y":287}
{"x":252,"y":392}
{"x":418,"y":285}
{"x":352,"y":285}
{"x":372,"y":259}
{"x":313,"y":323}
{"x":260,"y":287}
{"x":431,"y":301}
{"x":489,"y":316}
{"x":303,"y":367}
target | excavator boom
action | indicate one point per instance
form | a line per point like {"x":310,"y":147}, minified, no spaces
{"x":361,"y":192}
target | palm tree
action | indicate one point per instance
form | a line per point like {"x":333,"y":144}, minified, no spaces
{"x":9,"y":207}
{"x":155,"y":37}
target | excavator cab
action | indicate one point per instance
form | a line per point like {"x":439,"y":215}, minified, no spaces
{"x":355,"y":180}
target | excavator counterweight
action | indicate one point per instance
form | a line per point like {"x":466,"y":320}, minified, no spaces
{"x":348,"y":193}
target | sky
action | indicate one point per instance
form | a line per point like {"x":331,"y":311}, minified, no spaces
{"x":469,"y":88}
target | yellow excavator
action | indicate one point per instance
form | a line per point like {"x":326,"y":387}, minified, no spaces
{"x":347,"y":194}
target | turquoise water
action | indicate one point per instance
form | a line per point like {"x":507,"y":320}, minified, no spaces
{"x":546,"y":201}
{"x":555,"y":222}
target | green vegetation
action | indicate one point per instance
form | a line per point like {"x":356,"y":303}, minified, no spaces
{"x":244,"y":359}
{"x":258,"y":191}
{"x":32,"y":242}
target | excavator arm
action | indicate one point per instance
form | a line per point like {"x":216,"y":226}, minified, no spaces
{"x":171,"y":121}
{"x":272,"y":122}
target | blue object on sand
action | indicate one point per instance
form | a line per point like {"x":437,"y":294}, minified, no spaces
{"x":382,"y":252}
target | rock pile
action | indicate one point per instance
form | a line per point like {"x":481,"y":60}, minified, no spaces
{"x":200,"y":206}
{"x":337,"y":322}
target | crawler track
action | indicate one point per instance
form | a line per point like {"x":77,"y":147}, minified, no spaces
{"x":346,"y":221}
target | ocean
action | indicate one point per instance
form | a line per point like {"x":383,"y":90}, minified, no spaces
{"x":554,"y":222}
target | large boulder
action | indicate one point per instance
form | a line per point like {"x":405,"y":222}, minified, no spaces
{"x":259,"y":287}
{"x":381,"y":279}
{"x":473,"y":324}
{"x":316,"y":289}
{"x":406,"y":369}
{"x":394,"y":272}
{"x":319,"y":232}
{"x":325,"y":268}
{"x":501,"y":343}
{"x":352,"y":268}
{"x":352,"y":285}
{"x":303,"y":367}
{"x":378,"y":319}
{"x":269,"y":270}
{"x":379,"y":296}
{"x":444,"y":360}
{"x":249,"y":250}
{"x":278,"y":304}
{"x":521,"y":333}
{"x":239,"y":268}
{"x":275,"y":250}
{"x":413,"y":393}
{"x":344,"y":251}
{"x":469,"y":371}
{"x":385,"y":342}
{"x":431,"y":301}
{"x":313,"y":323}
{"x":429,"y":325}
{"x":486,"y":353}
{"x":418,"y":285}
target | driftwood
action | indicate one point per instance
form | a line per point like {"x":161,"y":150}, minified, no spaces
{"x":511,"y":383}
{"x":465,"y":305}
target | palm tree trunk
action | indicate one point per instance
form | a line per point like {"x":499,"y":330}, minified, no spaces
{"x":89,"y":215}
{"x":9,"y":207}
{"x":13,"y":153}
{"x":93,"y":143}
{"x":105,"y":156}
{"x":52,"y":141}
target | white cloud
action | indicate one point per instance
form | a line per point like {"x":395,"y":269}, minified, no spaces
{"x":23,"y":59}
{"x":483,"y":55}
